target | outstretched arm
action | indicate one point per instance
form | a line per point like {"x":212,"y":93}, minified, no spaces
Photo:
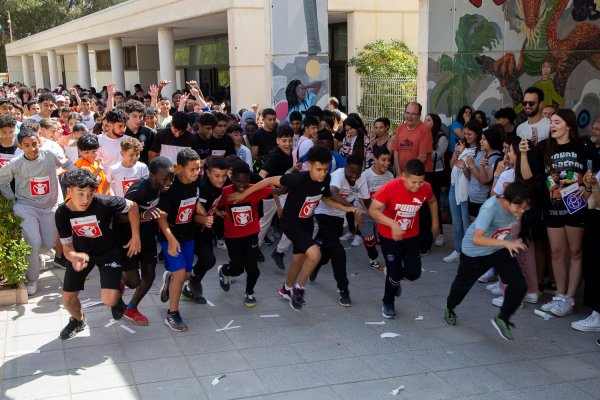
{"x":272,"y":181}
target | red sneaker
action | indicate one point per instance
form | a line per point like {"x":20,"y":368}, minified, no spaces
{"x":137,"y":317}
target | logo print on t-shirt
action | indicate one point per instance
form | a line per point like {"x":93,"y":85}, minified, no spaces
{"x":310,"y":204}
{"x":5,"y":159}
{"x":242,"y":215}
{"x":126,"y":184}
{"x":186,"y":210}
{"x":40,"y":186}
{"x":213,"y":207}
{"x":86,"y":227}
{"x":501,"y":234}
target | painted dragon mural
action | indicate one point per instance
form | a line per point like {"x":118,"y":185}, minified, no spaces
{"x":555,"y":41}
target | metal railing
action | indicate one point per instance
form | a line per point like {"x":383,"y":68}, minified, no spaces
{"x":386,"y":97}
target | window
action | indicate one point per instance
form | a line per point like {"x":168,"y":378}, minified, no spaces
{"x":103,"y":60}
{"x":130,"y":57}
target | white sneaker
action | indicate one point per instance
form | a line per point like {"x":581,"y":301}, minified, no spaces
{"x":548,"y":306}
{"x":31,"y":288}
{"x":221,"y":244}
{"x":496,"y":290}
{"x":439,"y":240}
{"x":347,"y":236}
{"x":489,"y":276}
{"x":590,"y":324}
{"x":563,"y":307}
{"x":531,"y":298}
{"x":499,"y":302}
{"x":453,"y":257}
{"x":357,"y":241}
{"x":492,"y":286}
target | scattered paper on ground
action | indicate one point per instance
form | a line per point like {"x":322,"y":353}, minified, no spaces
{"x":110,"y":323}
{"x":389,"y":335}
{"x":375,"y":323}
{"x":216,"y":380}
{"x":397,"y":390}
{"x":90,"y":304}
{"x":210,"y":303}
{"x":128,"y":329}
{"x":419,"y":318}
{"x":270,"y":316}
{"x":228,"y":327}
{"x":542,"y":314}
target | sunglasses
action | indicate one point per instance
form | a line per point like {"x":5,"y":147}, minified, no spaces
{"x":528,"y":103}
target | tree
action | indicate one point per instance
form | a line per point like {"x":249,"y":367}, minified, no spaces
{"x":385,"y":59}
{"x":33,"y":16}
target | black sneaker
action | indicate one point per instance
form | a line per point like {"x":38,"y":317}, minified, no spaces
{"x":223,"y":279}
{"x":164,"y":289}
{"x":174,"y":322}
{"x":286,"y":294}
{"x":73,"y":328}
{"x":388,"y":311}
{"x":188,"y":295}
{"x":61,"y":262}
{"x":195,"y":285}
{"x":297,"y":298}
{"x":261,"y":256}
{"x":118,"y":310}
{"x":345,"y":298}
{"x":278,"y":258}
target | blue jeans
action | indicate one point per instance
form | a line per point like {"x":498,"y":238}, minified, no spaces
{"x":460,"y":218}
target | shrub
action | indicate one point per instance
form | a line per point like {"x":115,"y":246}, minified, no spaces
{"x":13,"y":249}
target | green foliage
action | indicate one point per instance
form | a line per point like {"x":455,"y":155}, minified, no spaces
{"x":474,"y":34}
{"x":13,"y":249}
{"x":32,"y":16}
{"x":386,"y":97}
{"x":385,"y":59}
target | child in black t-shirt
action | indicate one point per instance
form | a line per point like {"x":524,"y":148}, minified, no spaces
{"x":176,"y":233}
{"x":84,"y":227}
{"x":8,"y":140}
{"x":306,"y":189}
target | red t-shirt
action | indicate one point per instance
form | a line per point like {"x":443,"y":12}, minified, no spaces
{"x":403,"y":206}
{"x":242,"y":218}
{"x":410,"y":143}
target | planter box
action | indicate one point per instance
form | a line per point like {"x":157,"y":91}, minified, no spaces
{"x":10,"y":295}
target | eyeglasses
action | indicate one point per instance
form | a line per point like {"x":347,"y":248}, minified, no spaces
{"x":528,"y":103}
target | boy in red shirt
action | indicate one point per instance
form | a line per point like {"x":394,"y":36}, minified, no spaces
{"x":241,"y":231}
{"x":395,"y":207}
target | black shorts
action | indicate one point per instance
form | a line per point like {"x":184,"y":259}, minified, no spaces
{"x":474,"y":208}
{"x":301,"y":236}
{"x":147,"y":254}
{"x":576,"y":220}
{"x":110,"y":269}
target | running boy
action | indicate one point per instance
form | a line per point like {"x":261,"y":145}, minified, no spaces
{"x":241,"y":231}
{"x":84,"y":226}
{"x":395,"y":208}
{"x":376,"y":177}
{"x":488,"y":244}
{"x":88,"y":148}
{"x":306,"y":189}
{"x":176,"y":233}
{"x":122,"y":175}
{"x":36,"y":195}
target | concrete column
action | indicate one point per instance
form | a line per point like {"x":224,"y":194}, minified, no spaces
{"x":39,"y":71}
{"x":25,"y":66}
{"x":52,"y":69}
{"x":166,"y":56}
{"x":117,"y":64}
{"x":83,"y":65}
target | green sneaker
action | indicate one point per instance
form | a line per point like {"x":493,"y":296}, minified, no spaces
{"x":449,"y":316}
{"x":502,"y":327}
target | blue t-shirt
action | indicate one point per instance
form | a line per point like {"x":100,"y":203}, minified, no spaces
{"x":495,"y":221}
{"x":337,"y":162}
{"x":453,"y":136}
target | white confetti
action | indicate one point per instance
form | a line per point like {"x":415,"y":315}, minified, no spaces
{"x":128,"y":329}
{"x":210,"y":303}
{"x":397,"y":390}
{"x":91,"y":304}
{"x":228,"y":328}
{"x":419,"y":318}
{"x":389,"y":335}
{"x":542,"y":314}
{"x":270,"y":316}
{"x":110,"y":323}
{"x":375,"y":323}
{"x":216,"y":380}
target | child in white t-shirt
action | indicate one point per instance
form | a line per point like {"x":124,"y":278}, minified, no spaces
{"x":122,"y":175}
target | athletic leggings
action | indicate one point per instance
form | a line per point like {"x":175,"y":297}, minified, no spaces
{"x":243,"y":254}
{"x":204,"y":252}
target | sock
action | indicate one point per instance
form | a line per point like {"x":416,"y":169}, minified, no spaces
{"x":131,"y":306}
{"x":287,"y":287}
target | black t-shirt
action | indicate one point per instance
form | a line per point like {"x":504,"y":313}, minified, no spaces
{"x":144,"y":135}
{"x":266,"y":141}
{"x":142,"y":193}
{"x":90,"y":230}
{"x":167,"y":145}
{"x":303,"y":198}
{"x":209,"y":195}
{"x":221,"y":147}
{"x":203,"y":148}
{"x":278,"y":162}
{"x":568,"y":165}
{"x":10,"y":149}
{"x":179,"y":202}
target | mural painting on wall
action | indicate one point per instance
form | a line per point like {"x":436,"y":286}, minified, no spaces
{"x":556,"y":48}
{"x":300,"y":65}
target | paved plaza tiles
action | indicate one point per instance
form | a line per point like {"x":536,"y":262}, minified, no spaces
{"x":323,"y":352}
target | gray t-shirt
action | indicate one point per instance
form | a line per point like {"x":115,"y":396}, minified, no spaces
{"x":479,"y":192}
{"x":495,"y":222}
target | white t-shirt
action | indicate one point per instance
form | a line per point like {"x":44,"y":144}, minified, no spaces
{"x":88,"y":120}
{"x":35,"y":117}
{"x":71,"y":151}
{"x":542,"y":126}
{"x":109,"y":152}
{"x":507,"y":176}
{"x":245,"y":154}
{"x":360,"y":190}
{"x":120,"y":177}
{"x":374,"y":182}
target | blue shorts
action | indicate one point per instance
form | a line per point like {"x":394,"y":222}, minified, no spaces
{"x":185,"y":259}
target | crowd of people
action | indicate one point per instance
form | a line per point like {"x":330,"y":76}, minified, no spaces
{"x":121,"y":182}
